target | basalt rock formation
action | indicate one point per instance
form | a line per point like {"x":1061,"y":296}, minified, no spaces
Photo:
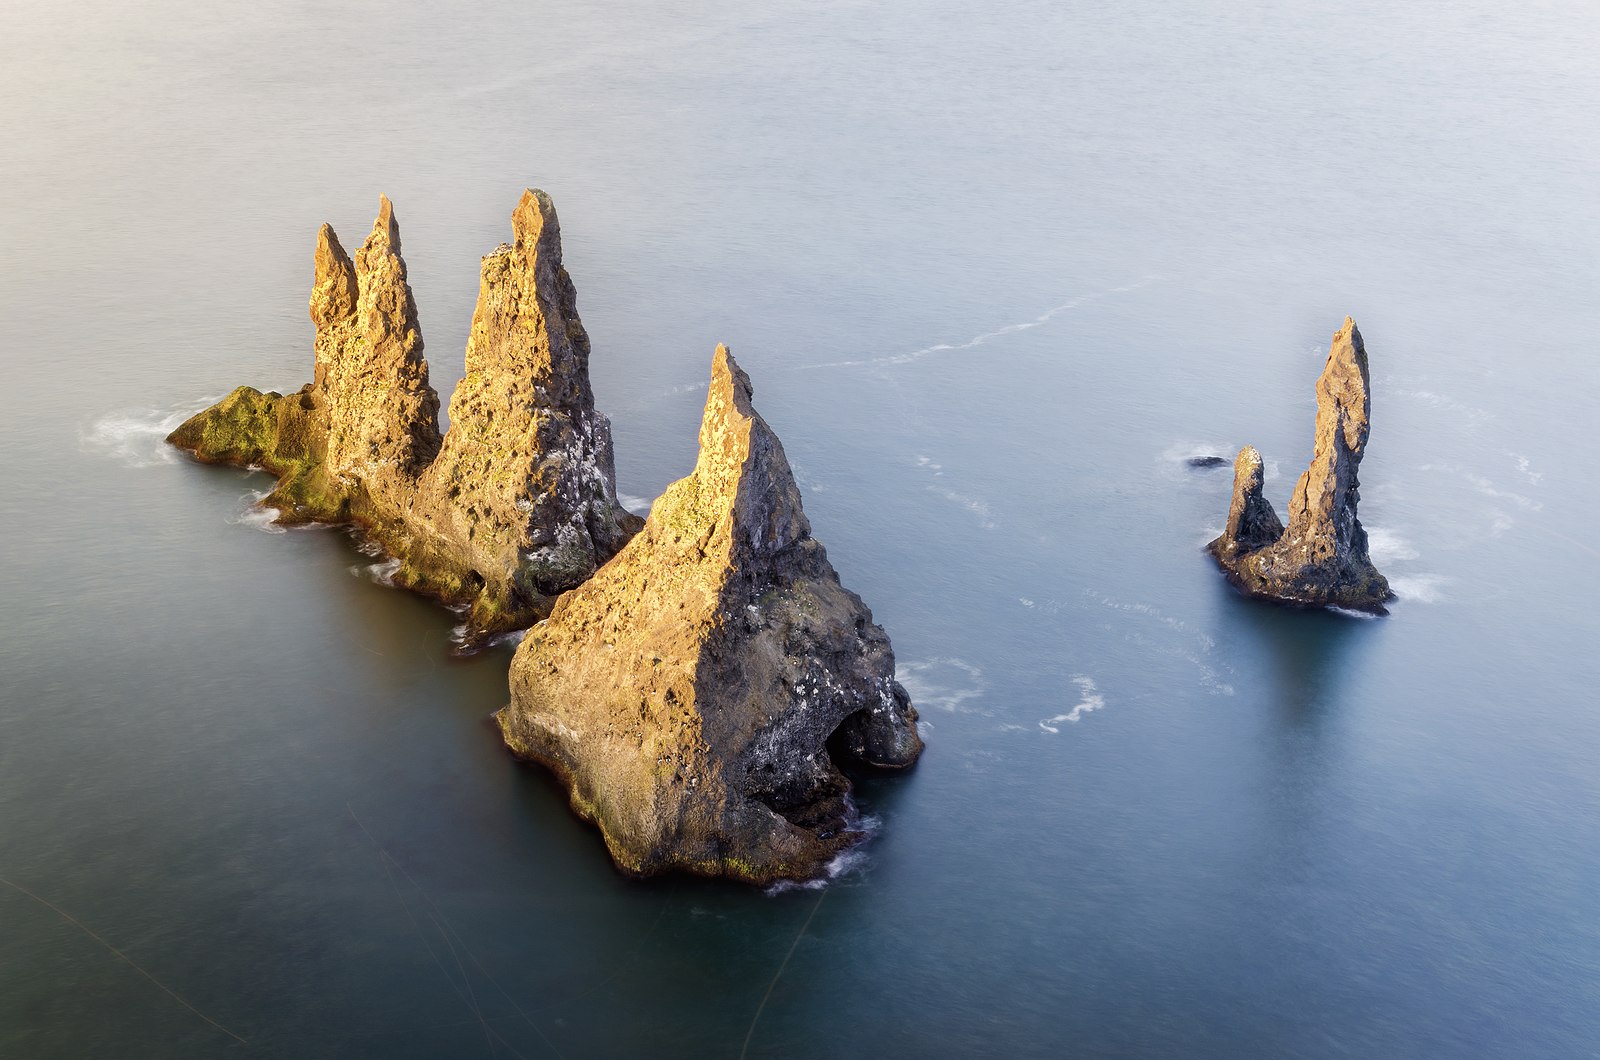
{"x":521,"y":503}
{"x":1321,"y":558}
{"x":517,"y":502}
{"x":694,"y":693}
{"x":348,"y":445}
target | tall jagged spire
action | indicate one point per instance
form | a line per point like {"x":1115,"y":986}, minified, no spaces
{"x":549,"y":515}
{"x":693,"y":691}
{"x":519,"y":504}
{"x":1321,"y":558}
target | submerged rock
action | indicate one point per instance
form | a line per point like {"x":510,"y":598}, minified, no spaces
{"x":516,"y":503}
{"x":1206,"y":461}
{"x":694,"y":693}
{"x":1321,"y":557}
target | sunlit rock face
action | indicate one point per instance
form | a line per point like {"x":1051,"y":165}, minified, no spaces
{"x":522,"y":500}
{"x":1321,"y":558}
{"x":695,"y":692}
{"x":517,"y":502}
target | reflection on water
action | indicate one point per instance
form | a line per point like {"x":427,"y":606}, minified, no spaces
{"x":1308,"y":654}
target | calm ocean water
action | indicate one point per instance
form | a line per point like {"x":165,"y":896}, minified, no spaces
{"x":996,"y":275}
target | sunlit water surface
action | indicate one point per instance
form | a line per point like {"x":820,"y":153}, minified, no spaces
{"x":996,"y":276}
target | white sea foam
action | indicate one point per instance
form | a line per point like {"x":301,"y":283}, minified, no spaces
{"x":382,"y":572}
{"x":1198,"y":652}
{"x":1365,"y":616}
{"x":846,"y":863}
{"x":1486,"y":486}
{"x":1423,"y":588}
{"x":636,"y":505}
{"x":364,"y":545}
{"x":1386,"y":546}
{"x":977,"y":506}
{"x":944,"y":683}
{"x":988,"y":336}
{"x":1525,"y":468}
{"x":256,"y":515}
{"x":1090,"y":699}
{"x":1443,"y":402}
{"x":138,"y":437}
{"x":508,"y":640}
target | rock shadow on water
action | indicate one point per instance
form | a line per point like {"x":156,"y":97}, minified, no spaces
{"x":1307,"y":653}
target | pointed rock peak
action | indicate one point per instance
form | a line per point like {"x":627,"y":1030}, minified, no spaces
{"x":1252,"y":523}
{"x":334,"y":291}
{"x":1321,"y":557}
{"x":386,"y":227}
{"x":538,"y":231}
{"x":694,"y":692}
{"x":1343,"y":389}
{"x":731,"y":389}
{"x":1247,"y":465}
{"x":1347,"y":342}
{"x":742,"y":459}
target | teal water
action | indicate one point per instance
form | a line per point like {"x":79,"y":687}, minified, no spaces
{"x":996,"y":275}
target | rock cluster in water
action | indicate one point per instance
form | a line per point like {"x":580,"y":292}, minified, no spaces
{"x":695,"y":692}
{"x":517,"y":502}
{"x":1321,"y":558}
{"x":693,"y":685}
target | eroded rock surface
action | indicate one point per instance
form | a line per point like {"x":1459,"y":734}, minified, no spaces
{"x":693,"y":694}
{"x":522,"y":501}
{"x":1321,"y":557}
{"x":518,"y":501}
{"x":348,"y":444}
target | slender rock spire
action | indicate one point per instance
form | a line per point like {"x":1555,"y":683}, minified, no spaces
{"x":547,"y":515}
{"x":1321,"y":558}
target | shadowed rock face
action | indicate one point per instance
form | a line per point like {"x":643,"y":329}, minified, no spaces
{"x":693,"y":693}
{"x":1321,"y":557}
{"x":517,"y":502}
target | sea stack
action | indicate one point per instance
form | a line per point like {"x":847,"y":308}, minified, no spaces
{"x":521,"y":503}
{"x":1321,"y":558}
{"x":516,"y":503}
{"x":695,"y":692}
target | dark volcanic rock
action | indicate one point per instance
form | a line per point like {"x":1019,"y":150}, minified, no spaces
{"x":1206,"y":461}
{"x":694,"y":692}
{"x":1321,"y":558}
{"x":517,"y":502}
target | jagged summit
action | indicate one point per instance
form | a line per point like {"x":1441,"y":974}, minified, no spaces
{"x":693,"y":693}
{"x":518,"y":501}
{"x":1321,"y":557}
{"x":522,"y":499}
